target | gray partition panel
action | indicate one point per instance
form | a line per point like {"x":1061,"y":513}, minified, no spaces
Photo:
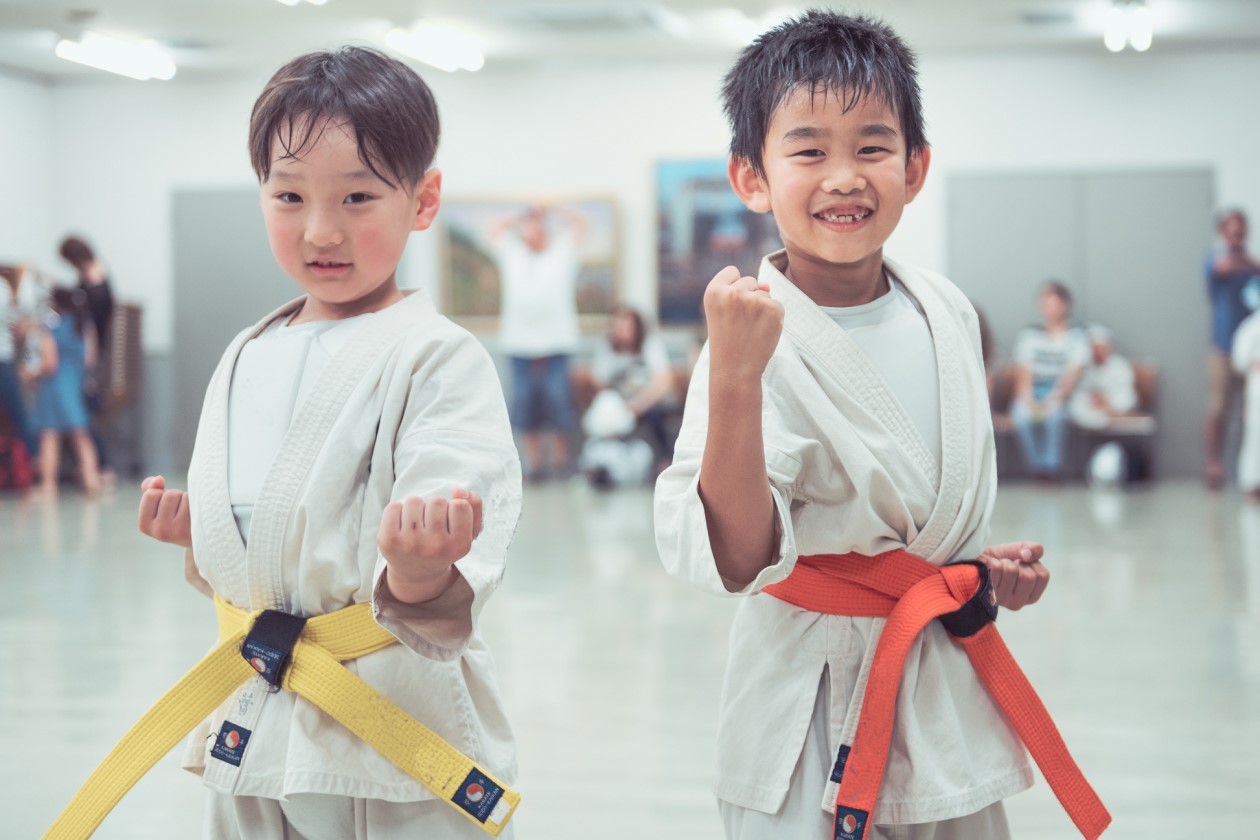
{"x":225,"y":280}
{"x":1130,"y":245}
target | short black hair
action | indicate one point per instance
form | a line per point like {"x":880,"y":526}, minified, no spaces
{"x":76,"y":251}
{"x":391,"y":109}
{"x":825,"y":53}
{"x":1059,"y":290}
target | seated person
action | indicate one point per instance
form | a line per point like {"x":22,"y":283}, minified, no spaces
{"x":1106,"y":387}
{"x":636,"y":365}
{"x":1049,"y":359}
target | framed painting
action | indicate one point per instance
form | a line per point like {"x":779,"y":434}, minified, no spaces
{"x":471,"y":275}
{"x":702,"y":227}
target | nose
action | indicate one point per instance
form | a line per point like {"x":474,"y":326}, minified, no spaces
{"x":843,"y":177}
{"x":322,"y":229}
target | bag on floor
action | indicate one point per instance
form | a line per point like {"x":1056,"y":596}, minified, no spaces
{"x":15,"y":464}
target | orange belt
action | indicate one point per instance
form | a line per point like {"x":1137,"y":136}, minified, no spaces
{"x":911,"y":592}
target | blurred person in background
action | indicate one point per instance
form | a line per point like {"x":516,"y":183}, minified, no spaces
{"x":1106,"y":388}
{"x":1229,"y":268}
{"x":94,"y":283}
{"x":67,"y":347}
{"x":538,"y":258}
{"x":1246,"y":364}
{"x":22,"y":297}
{"x":635,"y":363}
{"x":1049,"y":359}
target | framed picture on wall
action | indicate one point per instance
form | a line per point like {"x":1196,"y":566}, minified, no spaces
{"x":471,"y":288}
{"x":702,"y":227}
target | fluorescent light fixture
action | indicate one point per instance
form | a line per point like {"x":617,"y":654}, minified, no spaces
{"x":1116,"y":29}
{"x":438,"y":46}
{"x":289,"y":2}
{"x":1128,"y":23}
{"x":1141,"y":27}
{"x":135,"y":59}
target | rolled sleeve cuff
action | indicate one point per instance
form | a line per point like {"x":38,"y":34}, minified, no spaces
{"x":437,"y":629}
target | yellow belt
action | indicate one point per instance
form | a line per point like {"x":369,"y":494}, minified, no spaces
{"x":314,"y":672}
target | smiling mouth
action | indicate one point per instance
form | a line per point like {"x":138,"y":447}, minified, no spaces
{"x":844,"y":218}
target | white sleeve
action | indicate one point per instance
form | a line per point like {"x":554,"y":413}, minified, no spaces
{"x":1081,"y":349}
{"x":456,"y":433}
{"x":1246,"y":346}
{"x":682,"y":531}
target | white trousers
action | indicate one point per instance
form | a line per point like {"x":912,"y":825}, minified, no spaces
{"x":802,"y":818}
{"x":323,"y":817}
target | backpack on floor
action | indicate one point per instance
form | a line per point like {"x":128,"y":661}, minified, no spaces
{"x":15,"y":464}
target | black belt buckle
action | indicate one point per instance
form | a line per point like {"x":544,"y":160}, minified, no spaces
{"x":980,"y":609}
{"x":270,"y":642}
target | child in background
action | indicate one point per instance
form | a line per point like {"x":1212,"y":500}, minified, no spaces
{"x":346,"y":445}
{"x":1246,"y":362}
{"x":66,"y":349}
{"x":836,"y":461}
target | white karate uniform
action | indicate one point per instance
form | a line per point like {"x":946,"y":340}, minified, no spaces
{"x":1245,"y":356}
{"x":850,"y":472}
{"x":407,"y":404}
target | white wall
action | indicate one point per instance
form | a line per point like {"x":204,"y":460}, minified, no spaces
{"x":25,"y":174}
{"x":121,"y":148}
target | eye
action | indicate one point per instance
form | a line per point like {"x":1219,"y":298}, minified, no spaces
{"x":289,"y":198}
{"x":357,"y":198}
{"x":871,"y":150}
{"x":809,"y":153}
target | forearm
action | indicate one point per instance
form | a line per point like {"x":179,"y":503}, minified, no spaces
{"x":734,"y":486}
{"x":416,"y":588}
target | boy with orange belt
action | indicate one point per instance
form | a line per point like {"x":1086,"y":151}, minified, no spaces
{"x":836,"y":454}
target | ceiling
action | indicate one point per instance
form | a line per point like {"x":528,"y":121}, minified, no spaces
{"x":216,"y":38}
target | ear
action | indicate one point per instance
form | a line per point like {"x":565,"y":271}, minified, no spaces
{"x":428,"y":197}
{"x":748,"y":185}
{"x":916,"y":172}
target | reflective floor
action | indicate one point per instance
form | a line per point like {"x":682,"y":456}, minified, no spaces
{"x":1146,"y":648}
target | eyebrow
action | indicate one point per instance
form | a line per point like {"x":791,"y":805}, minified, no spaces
{"x":278,"y":174}
{"x":809,"y":132}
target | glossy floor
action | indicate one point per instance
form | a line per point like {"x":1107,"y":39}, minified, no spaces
{"x":1146,"y":648}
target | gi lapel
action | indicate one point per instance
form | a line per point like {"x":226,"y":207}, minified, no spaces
{"x":816,"y":335}
{"x":312,"y":421}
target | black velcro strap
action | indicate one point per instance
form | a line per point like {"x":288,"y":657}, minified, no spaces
{"x":980,"y":609}
{"x":270,"y":642}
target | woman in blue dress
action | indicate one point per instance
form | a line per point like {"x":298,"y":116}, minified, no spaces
{"x":65,"y":351}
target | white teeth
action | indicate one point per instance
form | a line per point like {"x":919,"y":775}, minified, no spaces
{"x":832,"y":217}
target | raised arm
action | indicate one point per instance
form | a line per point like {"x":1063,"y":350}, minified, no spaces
{"x":744,"y":327}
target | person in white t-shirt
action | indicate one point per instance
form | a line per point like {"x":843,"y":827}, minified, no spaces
{"x":539,"y":263}
{"x":1106,"y":388}
{"x":1049,"y":358}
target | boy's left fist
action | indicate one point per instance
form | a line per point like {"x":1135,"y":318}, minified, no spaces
{"x":422,"y":538}
{"x":1016,"y":572}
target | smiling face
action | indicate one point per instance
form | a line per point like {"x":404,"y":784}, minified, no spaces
{"x":837,"y":182}
{"x":338,"y":229}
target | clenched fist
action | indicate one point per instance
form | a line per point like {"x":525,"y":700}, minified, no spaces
{"x":1017,"y":574}
{"x":164,"y":514}
{"x":422,"y":538}
{"x":744,"y":325}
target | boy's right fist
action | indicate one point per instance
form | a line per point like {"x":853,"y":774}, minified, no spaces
{"x":744,"y":324}
{"x":164,"y":514}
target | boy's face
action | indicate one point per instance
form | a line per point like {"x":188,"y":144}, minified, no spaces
{"x":836,"y":181}
{"x":336,"y":228}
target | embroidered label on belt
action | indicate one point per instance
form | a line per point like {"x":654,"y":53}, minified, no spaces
{"x":842,"y":758}
{"x":477,"y":795}
{"x":230,"y":745}
{"x":850,"y":823}
{"x":265,"y":660}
